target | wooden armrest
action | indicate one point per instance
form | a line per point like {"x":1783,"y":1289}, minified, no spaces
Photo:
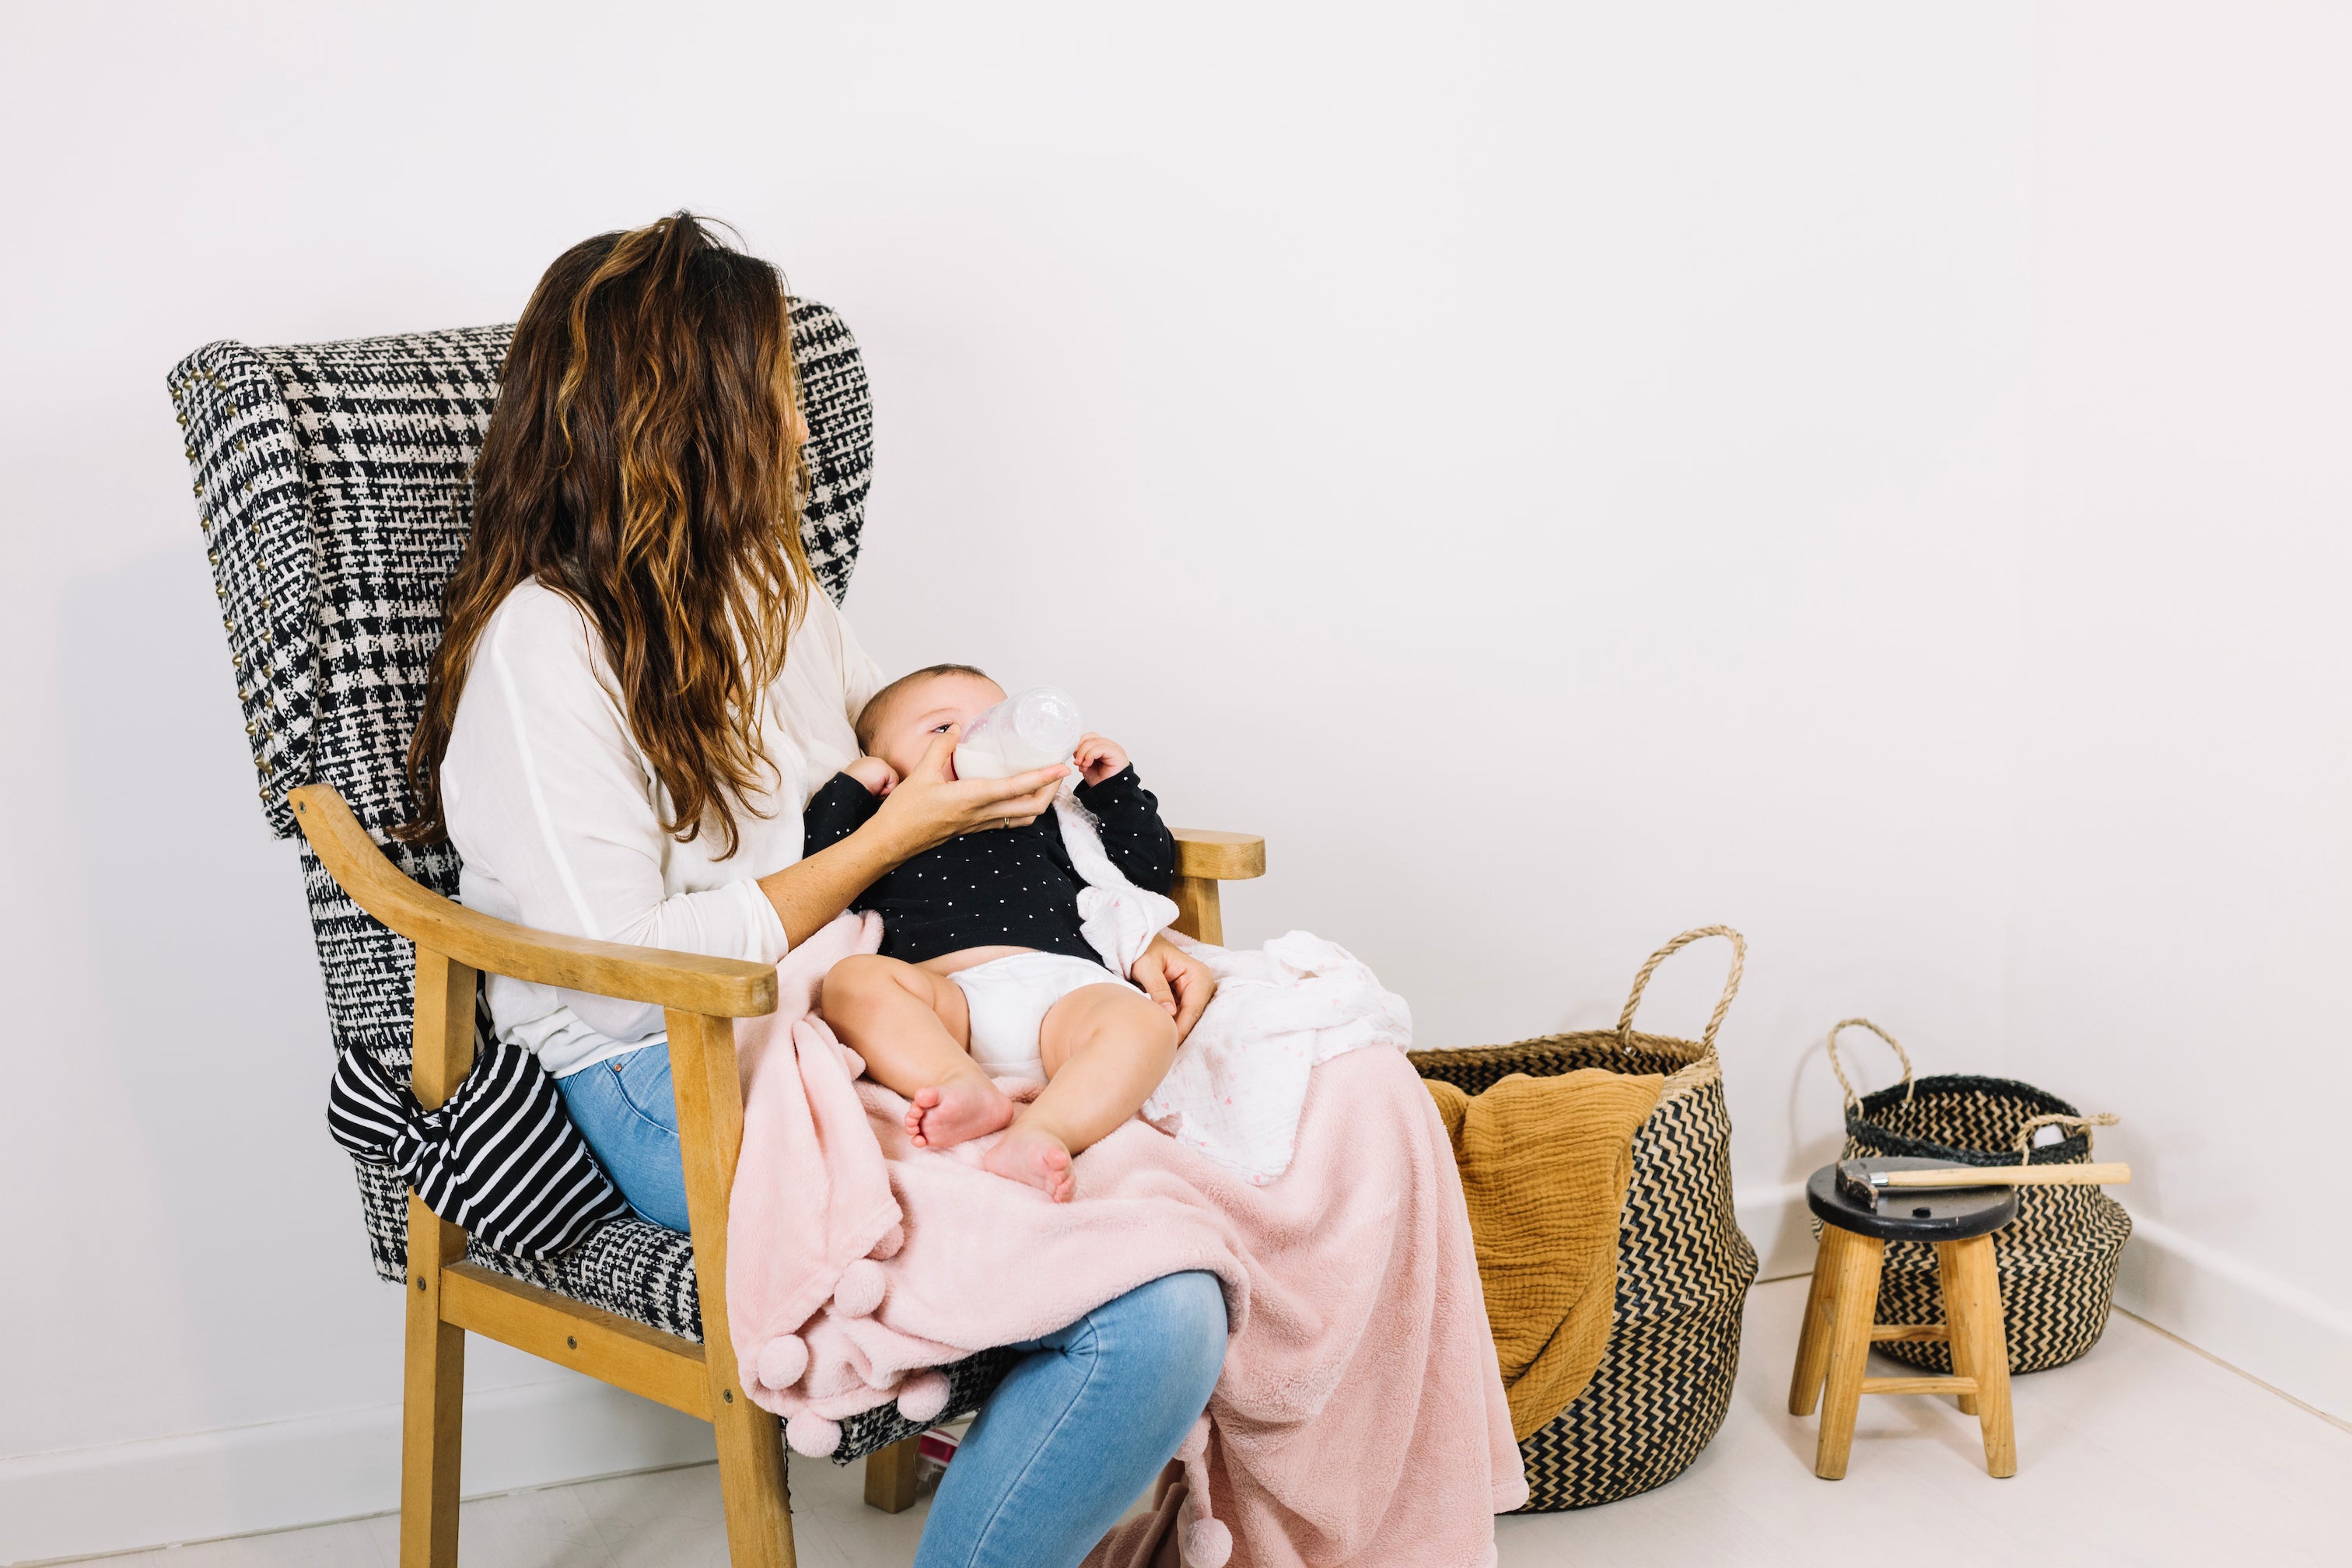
{"x":1218,"y":856}
{"x":718,"y":987}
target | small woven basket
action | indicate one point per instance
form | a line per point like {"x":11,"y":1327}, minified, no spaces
{"x":2056,"y":1259}
{"x":1683,"y":1265}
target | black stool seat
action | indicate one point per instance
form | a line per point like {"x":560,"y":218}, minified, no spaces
{"x":1915,"y":1213}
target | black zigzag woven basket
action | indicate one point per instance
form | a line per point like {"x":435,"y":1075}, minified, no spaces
{"x":2056,"y":1259}
{"x":1683,"y":1265}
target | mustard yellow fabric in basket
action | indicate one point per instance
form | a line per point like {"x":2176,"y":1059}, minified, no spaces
{"x":1544,"y":1164}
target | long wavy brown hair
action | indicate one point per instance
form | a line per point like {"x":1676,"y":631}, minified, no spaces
{"x":643,"y":461}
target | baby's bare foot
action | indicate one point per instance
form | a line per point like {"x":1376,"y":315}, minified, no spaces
{"x":956,"y":1111}
{"x":1029,"y":1153}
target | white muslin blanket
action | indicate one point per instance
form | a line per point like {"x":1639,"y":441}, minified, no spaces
{"x":1118,"y":919}
{"x":1239,"y":1082}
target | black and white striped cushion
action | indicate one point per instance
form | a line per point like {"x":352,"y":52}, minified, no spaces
{"x":499,"y":1158}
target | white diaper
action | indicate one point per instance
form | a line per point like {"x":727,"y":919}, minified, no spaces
{"x":1009,"y":998}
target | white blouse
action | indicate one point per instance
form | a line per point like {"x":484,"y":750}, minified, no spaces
{"x":558,"y":815}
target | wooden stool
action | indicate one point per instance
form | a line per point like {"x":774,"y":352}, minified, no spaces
{"x":1841,"y":1310}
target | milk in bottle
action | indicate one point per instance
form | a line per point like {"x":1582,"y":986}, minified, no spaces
{"x":1032,"y":729}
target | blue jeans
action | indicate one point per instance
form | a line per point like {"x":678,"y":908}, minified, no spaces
{"x":1078,"y":1429}
{"x":1073,"y":1433}
{"x":625,"y":1108}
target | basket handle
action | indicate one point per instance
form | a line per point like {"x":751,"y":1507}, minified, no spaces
{"x":2058,"y":1119}
{"x":1839,"y":1068}
{"x":1731,"y":982}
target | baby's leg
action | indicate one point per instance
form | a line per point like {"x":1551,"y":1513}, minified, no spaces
{"x":1105,"y":1047}
{"x":911,"y":1027}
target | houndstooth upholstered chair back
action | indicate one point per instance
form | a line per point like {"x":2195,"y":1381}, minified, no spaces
{"x":331,"y":481}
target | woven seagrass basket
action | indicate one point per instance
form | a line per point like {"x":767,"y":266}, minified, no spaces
{"x":1683,"y":1265}
{"x":2056,"y":1259}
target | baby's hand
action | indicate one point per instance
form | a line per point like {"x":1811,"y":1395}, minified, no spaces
{"x":878,"y":777}
{"x":1099,"y":758}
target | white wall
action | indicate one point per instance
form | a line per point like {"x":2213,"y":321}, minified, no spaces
{"x":1872,"y":476}
{"x":2181,"y":905}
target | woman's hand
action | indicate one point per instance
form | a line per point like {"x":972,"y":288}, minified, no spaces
{"x":924,"y":809}
{"x":928,"y":808}
{"x":1179,"y":982}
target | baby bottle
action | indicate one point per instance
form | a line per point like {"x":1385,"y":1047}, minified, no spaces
{"x":1034,"y":729}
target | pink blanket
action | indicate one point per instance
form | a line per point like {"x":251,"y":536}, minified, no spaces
{"x":1360,"y":1419}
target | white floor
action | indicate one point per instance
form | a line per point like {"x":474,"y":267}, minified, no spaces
{"x":2144,"y":1452}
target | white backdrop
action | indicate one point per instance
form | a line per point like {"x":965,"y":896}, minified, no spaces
{"x":1872,"y":476}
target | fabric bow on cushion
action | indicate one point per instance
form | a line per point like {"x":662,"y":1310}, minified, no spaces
{"x":500,"y":1159}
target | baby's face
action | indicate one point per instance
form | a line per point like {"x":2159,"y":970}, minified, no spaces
{"x":927,"y":709}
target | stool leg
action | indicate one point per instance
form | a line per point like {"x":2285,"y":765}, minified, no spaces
{"x":1852,"y":1311}
{"x":1979,"y":1302}
{"x":1813,"y":1336}
{"x":1963,"y":1361}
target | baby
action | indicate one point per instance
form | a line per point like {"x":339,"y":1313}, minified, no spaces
{"x":983,"y":971}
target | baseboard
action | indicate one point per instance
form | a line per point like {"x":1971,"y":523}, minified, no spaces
{"x":343,"y":1465}
{"x":2264,"y":1326}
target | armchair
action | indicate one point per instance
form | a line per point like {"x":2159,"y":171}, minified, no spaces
{"x":330,"y":482}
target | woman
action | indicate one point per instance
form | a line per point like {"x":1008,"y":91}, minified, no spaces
{"x":638,"y":688}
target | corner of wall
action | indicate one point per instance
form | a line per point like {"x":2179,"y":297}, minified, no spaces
{"x":2255,"y":1321}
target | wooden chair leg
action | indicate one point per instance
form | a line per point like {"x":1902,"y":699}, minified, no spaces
{"x":1963,"y":1358}
{"x":1813,"y":1336}
{"x":1853,"y":1310}
{"x":751,"y":1441}
{"x":1978,"y":1316}
{"x":433,"y":1399}
{"x":432,"y":1392}
{"x":753,"y":1484}
{"x":891,"y":1476}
